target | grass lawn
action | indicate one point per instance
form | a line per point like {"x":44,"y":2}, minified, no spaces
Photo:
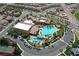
{"x":77,"y":15}
{"x":61,"y":31}
{"x":6,"y":49}
{"x":76,"y":43}
{"x":68,"y":51}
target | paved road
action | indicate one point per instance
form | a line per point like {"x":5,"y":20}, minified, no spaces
{"x":68,"y":36}
{"x":73,"y":26}
{"x":44,"y":52}
{"x":48,"y":51}
{"x":71,"y":18}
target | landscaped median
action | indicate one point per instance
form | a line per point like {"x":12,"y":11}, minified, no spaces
{"x":77,"y":15}
{"x":76,"y":43}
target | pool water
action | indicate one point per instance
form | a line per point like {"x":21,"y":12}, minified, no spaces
{"x":45,"y":31}
{"x":48,"y":30}
{"x":35,"y":39}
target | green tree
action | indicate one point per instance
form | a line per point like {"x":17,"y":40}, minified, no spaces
{"x":4,"y":41}
{"x":17,"y":51}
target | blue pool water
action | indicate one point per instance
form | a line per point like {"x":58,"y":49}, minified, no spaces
{"x":48,"y":30}
{"x":35,"y":39}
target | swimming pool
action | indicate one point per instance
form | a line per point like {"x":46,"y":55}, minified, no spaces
{"x":48,"y":30}
{"x":36,"y":39}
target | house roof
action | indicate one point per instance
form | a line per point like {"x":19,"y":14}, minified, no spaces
{"x":2,"y":22}
{"x":75,"y":50}
{"x":23,"y":26}
{"x":42,"y":20}
{"x":1,"y":17}
{"x":34,"y":29}
{"x":28,"y":21}
{"x":9,"y":18}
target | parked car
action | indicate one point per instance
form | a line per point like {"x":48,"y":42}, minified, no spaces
{"x":30,"y":47}
{"x":38,"y":49}
{"x":20,"y":38}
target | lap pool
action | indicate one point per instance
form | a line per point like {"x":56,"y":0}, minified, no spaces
{"x":48,"y":30}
